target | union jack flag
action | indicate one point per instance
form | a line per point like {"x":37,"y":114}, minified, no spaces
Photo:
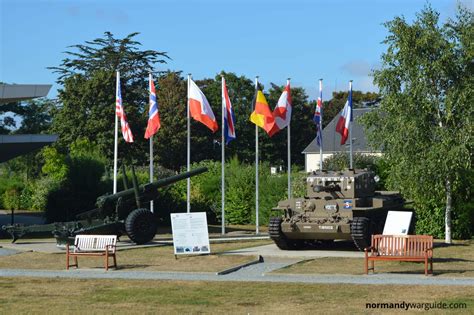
{"x":318,"y":116}
{"x":126,"y":131}
{"x":153,"y":114}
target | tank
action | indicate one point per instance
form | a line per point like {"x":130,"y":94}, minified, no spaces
{"x":338,"y":205}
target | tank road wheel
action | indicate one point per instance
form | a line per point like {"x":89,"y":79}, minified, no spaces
{"x":141,"y":226}
{"x":361,"y":232}
{"x":281,"y":241}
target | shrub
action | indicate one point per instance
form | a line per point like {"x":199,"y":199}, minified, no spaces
{"x":340,"y":161}
{"x":8,"y":183}
{"x":11,"y":198}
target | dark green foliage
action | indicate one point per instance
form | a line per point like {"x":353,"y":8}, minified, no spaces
{"x":87,"y":98}
{"x":79,"y":186}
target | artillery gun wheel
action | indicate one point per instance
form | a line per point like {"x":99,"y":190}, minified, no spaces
{"x":141,"y":226}
{"x":361,"y":232}
{"x":281,"y":241}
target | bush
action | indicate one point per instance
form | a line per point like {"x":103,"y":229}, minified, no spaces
{"x":78,"y":179}
{"x":11,"y":198}
{"x":10,"y":193}
{"x":341,"y":160}
{"x":240,"y":192}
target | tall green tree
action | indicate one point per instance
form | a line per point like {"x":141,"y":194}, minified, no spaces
{"x":424,"y":123}
{"x":170,"y":140}
{"x":87,"y":97}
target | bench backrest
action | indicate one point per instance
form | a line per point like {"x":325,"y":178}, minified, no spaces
{"x":402,"y":245}
{"x":89,"y":243}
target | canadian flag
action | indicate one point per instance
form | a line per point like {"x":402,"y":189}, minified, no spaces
{"x":282,"y":111}
{"x":200,"y":108}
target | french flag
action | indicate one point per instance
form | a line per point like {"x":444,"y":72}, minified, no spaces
{"x":229,"y":117}
{"x":345,"y":119}
{"x":153,"y":113}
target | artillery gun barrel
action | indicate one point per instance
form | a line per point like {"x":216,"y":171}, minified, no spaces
{"x":157,"y":184}
{"x":176,"y":178}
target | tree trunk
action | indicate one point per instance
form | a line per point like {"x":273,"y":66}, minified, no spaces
{"x":447,"y":217}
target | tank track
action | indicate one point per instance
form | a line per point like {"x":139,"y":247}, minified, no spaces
{"x":360,"y":232}
{"x":281,"y":241}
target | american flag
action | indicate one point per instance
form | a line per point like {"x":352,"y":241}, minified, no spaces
{"x":153,"y":114}
{"x":318,"y":116}
{"x":126,"y":131}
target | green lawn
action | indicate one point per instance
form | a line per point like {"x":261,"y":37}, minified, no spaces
{"x":60,"y":296}
{"x":147,"y":259}
{"x":456,"y":260}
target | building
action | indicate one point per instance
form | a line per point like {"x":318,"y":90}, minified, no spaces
{"x":332,"y":140}
{"x":12,"y":146}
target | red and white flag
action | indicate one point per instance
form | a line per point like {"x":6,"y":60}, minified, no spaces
{"x":345,"y":119}
{"x":126,"y":131}
{"x":282,"y":111}
{"x":199,"y":107}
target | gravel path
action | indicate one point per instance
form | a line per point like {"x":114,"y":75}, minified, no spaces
{"x":253,"y":273}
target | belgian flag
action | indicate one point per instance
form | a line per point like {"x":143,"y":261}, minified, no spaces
{"x":261,"y":115}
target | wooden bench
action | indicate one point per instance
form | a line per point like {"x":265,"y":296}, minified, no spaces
{"x":93,"y":245}
{"x":400,"y":248}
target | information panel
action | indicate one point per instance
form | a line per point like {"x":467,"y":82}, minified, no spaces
{"x":397,"y":223}
{"x":190,"y":235}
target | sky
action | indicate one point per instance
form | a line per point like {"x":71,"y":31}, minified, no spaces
{"x":304,"y":40}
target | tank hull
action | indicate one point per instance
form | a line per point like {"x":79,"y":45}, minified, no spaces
{"x":338,"y":206}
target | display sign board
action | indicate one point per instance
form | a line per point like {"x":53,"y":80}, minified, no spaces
{"x":397,"y":223}
{"x":190,"y":235}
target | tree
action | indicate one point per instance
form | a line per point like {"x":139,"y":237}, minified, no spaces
{"x":35,"y":115}
{"x":87,"y":96}
{"x":424,"y":123}
{"x":170,"y":140}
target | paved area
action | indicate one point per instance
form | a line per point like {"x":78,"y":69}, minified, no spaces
{"x":254,"y":273}
{"x":272,"y":250}
{"x":49,"y":246}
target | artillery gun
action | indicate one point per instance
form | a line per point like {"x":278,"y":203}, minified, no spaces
{"x":119,"y":214}
{"x":337,"y":205}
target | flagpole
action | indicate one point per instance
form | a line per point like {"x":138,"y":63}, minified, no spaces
{"x":289,"y":152}
{"x":321,"y":126}
{"x":117,"y":86}
{"x":256,"y":169}
{"x":188,"y":161}
{"x":151,"y":149}
{"x":222,"y":160}
{"x":350,"y":126}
